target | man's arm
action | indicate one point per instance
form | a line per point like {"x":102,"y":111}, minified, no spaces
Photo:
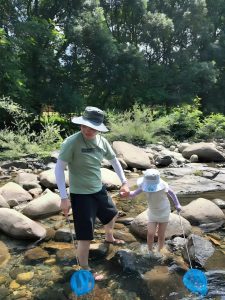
{"x":61,"y":183}
{"x":119,"y":171}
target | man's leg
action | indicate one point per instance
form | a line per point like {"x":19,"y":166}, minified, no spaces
{"x":83,"y":253}
{"x":109,"y":230}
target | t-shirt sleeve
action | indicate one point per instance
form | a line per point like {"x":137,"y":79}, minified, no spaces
{"x":66,"y":151}
{"x":109,"y":153}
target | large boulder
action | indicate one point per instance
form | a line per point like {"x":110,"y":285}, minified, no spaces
{"x":203,"y":213}
{"x":3,"y":202}
{"x":139,"y":226}
{"x":133,"y":156}
{"x":17,"y":225}
{"x":48,"y":180}
{"x":110,"y":179}
{"x":206,"y":152}
{"x":27,"y":180}
{"x":48,"y":203}
{"x":14,"y":194}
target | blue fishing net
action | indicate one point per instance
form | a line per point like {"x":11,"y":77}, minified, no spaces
{"x":196,"y":281}
{"x":82,"y":282}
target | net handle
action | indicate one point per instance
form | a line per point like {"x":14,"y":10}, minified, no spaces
{"x":186,"y":247}
{"x":72,"y":238}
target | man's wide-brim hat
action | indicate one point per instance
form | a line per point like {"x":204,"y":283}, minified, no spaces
{"x":151,"y":181}
{"x":92,"y":117}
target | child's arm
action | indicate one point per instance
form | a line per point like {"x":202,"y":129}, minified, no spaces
{"x":133,"y":193}
{"x":175,"y":199}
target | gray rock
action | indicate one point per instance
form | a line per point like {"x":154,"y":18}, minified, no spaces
{"x":205,"y":213}
{"x":15,"y":224}
{"x":133,"y":156}
{"x":206,"y":152}
{"x":200,"y":249}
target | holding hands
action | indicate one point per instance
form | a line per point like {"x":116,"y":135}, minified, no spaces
{"x":124,"y":190}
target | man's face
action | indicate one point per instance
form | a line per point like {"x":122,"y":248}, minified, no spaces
{"x":88,"y":132}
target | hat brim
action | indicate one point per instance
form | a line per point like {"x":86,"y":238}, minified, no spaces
{"x":146,"y":187}
{"x":82,"y":121}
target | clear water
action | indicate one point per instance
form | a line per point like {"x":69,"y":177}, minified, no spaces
{"x":51,"y":281}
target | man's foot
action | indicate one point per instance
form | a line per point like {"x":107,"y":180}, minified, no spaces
{"x":115,"y":242}
{"x":98,"y":276}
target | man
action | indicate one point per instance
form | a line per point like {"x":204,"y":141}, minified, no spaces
{"x":83,"y":152}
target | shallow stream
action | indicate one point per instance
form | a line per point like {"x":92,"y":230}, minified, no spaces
{"x":50,"y":279}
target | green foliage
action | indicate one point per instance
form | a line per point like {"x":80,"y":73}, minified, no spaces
{"x":143,"y":125}
{"x":138,"y":125}
{"x":68,"y":54}
{"x":20,"y":139}
{"x":212,"y":127}
{"x":184,"y":120}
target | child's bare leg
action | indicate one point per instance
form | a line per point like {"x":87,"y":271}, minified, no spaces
{"x":150,"y":235}
{"x":161,"y":235}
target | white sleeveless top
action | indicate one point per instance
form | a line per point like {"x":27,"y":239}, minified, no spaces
{"x":158,"y":206}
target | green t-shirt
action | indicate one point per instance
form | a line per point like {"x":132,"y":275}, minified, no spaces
{"x":84,"y":159}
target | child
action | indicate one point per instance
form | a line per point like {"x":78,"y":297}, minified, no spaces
{"x":156,"y":191}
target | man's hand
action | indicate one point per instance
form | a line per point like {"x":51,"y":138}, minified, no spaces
{"x":124,"y":190}
{"x":179,"y":209}
{"x":65,"y":206}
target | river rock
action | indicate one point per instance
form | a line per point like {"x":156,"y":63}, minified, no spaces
{"x":48,"y":203}
{"x":48,"y":180}
{"x":14,"y":194}
{"x":27,"y":179}
{"x":110,"y":179}
{"x":3,"y":202}
{"x":36,"y":254}
{"x":200,"y":249}
{"x":17,"y":225}
{"x":195,"y":185}
{"x":139,"y":226}
{"x":203,"y":213}
{"x":4,"y":254}
{"x":133,"y":156}
{"x":206,"y":152}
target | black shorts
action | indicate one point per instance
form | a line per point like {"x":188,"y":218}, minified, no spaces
{"x":86,"y":207}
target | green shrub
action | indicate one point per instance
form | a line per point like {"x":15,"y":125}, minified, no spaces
{"x":63,"y":121}
{"x":185,"y":120}
{"x":138,"y":125}
{"x":20,"y":139}
{"x":212,"y":127}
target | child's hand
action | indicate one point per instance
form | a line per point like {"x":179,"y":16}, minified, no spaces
{"x":123,"y":194}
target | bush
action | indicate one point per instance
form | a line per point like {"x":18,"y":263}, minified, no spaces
{"x":139,"y":125}
{"x":20,"y":140}
{"x":212,"y":127}
{"x":185,"y":120}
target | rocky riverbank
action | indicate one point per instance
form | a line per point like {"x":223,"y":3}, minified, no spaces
{"x":37,"y":257}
